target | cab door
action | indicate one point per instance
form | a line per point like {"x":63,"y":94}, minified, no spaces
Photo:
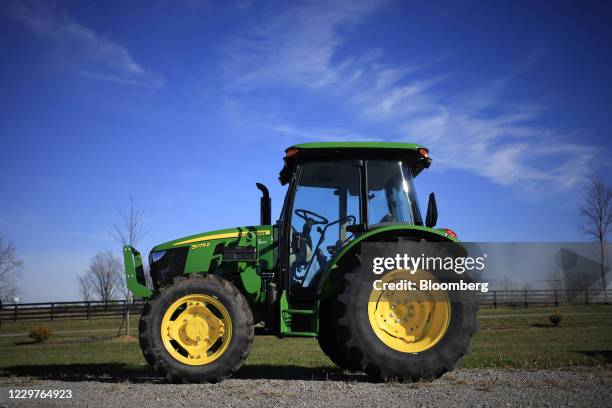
{"x":325,"y":203}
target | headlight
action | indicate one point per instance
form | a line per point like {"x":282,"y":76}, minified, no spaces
{"x":156,"y":256}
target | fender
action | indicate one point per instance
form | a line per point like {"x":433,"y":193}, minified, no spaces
{"x":327,"y":284}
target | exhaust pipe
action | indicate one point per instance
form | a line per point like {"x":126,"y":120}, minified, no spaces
{"x":265,"y":211}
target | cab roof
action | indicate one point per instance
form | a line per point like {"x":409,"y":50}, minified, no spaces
{"x":356,"y":145}
{"x":416,"y":154}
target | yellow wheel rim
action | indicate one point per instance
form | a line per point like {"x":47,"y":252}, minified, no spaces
{"x":196,"y":329}
{"x":410,"y":321}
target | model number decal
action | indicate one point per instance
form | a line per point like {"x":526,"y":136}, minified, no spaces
{"x":200,"y":245}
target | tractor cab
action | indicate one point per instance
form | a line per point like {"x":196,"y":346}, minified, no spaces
{"x":336,"y":192}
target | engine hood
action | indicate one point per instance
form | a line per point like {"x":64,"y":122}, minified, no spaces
{"x":230,"y":234}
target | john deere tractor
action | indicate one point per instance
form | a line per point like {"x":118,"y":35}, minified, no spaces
{"x":306,"y":275}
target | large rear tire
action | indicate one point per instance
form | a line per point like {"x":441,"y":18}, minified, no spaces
{"x":328,"y":340}
{"x":403,"y":336}
{"x":198,"y":329}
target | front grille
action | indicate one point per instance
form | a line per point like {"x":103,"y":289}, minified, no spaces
{"x":169,"y":266}
{"x":140,"y":275}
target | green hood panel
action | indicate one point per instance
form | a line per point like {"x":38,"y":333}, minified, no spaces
{"x":237,"y":233}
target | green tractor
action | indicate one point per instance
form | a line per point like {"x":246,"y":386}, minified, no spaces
{"x":305,"y":276}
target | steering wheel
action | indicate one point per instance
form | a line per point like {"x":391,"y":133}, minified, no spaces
{"x":310,"y":217}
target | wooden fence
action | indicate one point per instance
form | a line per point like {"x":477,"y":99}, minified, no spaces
{"x":114,"y":308}
{"x":66,"y":310}
{"x":527,"y":298}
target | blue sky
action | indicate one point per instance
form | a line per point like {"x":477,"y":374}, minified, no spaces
{"x":185,"y":105}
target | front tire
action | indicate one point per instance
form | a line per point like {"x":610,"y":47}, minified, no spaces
{"x":198,"y":329}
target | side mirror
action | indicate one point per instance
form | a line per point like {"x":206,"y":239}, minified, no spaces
{"x":432,"y":212}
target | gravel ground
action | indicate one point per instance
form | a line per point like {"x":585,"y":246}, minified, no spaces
{"x":573,"y":386}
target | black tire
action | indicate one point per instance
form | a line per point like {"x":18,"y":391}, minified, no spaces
{"x":144,"y":341}
{"x":239,"y":345}
{"x":328,"y":341}
{"x":380,"y":362}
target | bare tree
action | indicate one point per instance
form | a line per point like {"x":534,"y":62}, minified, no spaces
{"x":9,"y":267}
{"x":131,"y":231}
{"x":104,"y":276}
{"x":84,"y":286}
{"x":597,"y":211}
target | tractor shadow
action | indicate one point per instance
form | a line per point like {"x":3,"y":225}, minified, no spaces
{"x":604,"y":355}
{"x":106,"y":373}
{"x":120,"y":373}
{"x":294,"y":372}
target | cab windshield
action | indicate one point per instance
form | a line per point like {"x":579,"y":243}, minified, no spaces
{"x":391,"y":194}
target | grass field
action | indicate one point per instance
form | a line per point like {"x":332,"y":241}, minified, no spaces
{"x":508,"y":338}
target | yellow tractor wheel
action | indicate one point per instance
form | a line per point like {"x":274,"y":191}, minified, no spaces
{"x":198,"y":329}
{"x":409,"y":321}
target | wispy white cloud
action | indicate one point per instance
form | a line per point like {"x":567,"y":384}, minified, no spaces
{"x":318,"y":134}
{"x":295,"y":46}
{"x":474,"y":129}
{"x":120,"y":80}
{"x":80,"y":49}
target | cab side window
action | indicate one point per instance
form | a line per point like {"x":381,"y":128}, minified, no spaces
{"x":326,"y":202}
